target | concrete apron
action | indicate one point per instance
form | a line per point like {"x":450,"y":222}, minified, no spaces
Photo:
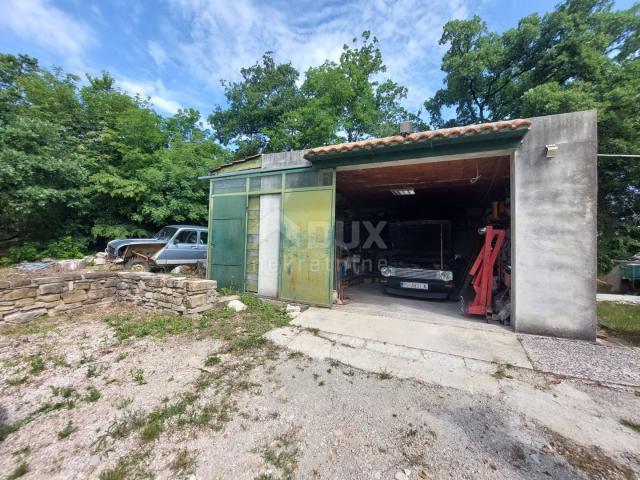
{"x":452,"y":356}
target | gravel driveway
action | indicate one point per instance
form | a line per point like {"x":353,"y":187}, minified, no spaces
{"x":83,"y":398}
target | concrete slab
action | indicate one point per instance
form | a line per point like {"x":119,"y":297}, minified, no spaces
{"x":626,"y":299}
{"x":401,"y":362}
{"x":478,"y":344}
{"x":371,"y":299}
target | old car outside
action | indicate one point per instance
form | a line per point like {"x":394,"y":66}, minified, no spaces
{"x":173,"y":245}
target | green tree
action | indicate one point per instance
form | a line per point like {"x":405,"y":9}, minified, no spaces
{"x":92,"y":163}
{"x":582,"y":55}
{"x":41,"y":159}
{"x":344,"y":100}
{"x":256,"y":107}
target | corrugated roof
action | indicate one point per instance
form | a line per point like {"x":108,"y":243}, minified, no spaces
{"x":418,"y":137}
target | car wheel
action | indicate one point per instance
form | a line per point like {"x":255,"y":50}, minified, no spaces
{"x":138,"y":265}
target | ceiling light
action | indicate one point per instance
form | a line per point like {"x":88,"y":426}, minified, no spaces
{"x":403,"y":191}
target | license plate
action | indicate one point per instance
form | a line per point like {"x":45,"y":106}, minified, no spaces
{"x":416,"y":285}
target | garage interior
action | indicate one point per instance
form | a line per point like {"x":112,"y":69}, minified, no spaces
{"x":431,"y":213}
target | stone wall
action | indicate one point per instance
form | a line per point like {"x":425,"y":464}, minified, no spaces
{"x":26,"y":299}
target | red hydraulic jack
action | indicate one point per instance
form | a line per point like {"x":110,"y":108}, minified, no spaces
{"x":482,"y":272}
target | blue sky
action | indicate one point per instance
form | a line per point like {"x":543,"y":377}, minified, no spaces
{"x":176,"y":51}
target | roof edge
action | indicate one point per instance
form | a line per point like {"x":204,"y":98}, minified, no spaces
{"x":418,"y":137}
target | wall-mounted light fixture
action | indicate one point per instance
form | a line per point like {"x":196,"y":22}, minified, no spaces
{"x":551,"y":150}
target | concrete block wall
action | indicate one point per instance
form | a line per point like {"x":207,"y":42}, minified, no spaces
{"x":27,"y":299}
{"x":554,"y":206}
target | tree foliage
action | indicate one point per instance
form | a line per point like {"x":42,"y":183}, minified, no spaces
{"x":267,"y":111}
{"x":582,"y":55}
{"x":91,"y":162}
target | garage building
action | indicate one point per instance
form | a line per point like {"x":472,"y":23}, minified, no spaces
{"x":407,"y":215}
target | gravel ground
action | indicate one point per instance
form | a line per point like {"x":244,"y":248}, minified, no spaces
{"x":610,"y":364}
{"x":271,"y":414}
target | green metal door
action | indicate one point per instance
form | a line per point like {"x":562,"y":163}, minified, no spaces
{"x":307,"y":246}
{"x":228,"y":239}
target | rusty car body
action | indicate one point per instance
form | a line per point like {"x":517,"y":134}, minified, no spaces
{"x":173,"y":245}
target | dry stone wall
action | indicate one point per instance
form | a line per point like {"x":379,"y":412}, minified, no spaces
{"x":26,"y":299}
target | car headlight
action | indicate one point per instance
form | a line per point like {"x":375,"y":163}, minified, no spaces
{"x":446,"y":275}
{"x":385,"y":271}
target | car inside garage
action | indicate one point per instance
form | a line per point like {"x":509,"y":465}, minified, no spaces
{"x":407,"y":235}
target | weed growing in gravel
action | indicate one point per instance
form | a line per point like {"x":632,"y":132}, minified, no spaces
{"x":128,"y":467}
{"x":92,"y":395}
{"x":8,"y":429}
{"x":84,"y":360}
{"x":19,"y":471}
{"x":121,"y":427}
{"x":123,"y":402}
{"x":501,"y":371}
{"x":137,"y":375}
{"x":121,"y":356}
{"x":66,"y":431}
{"x":631,"y":424}
{"x":211,"y":360}
{"x":36,"y":364}
{"x":283,"y":455}
{"x":384,"y":375}
{"x":14,"y":381}
{"x":92,"y":371}
{"x":184,"y":464}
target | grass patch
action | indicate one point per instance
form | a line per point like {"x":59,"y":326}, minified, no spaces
{"x":622,"y":320}
{"x":211,"y":360}
{"x":243,"y":330}
{"x":631,"y":424}
{"x":128,"y":467}
{"x":92,"y":395}
{"x":36,"y":364}
{"x":152,"y":325}
{"x":19,"y":471}
{"x":66,"y":431}
{"x":29,"y":328}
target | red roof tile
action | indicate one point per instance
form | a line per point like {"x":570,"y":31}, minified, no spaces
{"x":417,"y":137}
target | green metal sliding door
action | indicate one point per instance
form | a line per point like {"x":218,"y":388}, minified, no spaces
{"x":307,"y":246}
{"x":228,"y":240}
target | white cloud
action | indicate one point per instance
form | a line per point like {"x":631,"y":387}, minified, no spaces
{"x":156,"y":52}
{"x":155,"y":91}
{"x":226,"y":36}
{"x":48,"y":26}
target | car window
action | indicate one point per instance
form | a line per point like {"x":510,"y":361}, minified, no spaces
{"x":165,"y":234}
{"x":203,"y":238}
{"x":187,"y":236}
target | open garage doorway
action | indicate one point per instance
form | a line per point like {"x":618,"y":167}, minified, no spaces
{"x":408,"y":234}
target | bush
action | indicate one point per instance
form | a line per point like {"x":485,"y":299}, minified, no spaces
{"x":27,"y":252}
{"x":66,"y":248}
